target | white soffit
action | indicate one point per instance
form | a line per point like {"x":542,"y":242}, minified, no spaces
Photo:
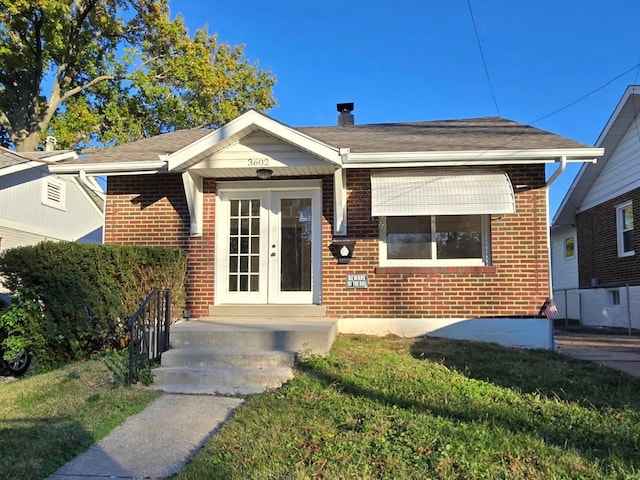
{"x":440,"y":192}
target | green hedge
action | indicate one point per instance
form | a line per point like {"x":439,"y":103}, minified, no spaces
{"x":73,"y":299}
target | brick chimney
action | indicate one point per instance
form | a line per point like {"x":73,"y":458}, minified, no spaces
{"x":346,"y":117}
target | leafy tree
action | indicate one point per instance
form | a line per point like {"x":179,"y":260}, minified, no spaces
{"x":112,"y":71}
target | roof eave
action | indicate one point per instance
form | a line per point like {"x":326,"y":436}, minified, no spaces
{"x":470,"y":157}
{"x":582,"y":182}
{"x":60,"y":156}
{"x":18,"y":168}
{"x":630,"y":98}
{"x":110,"y":168}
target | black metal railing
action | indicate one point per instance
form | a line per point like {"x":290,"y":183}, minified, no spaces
{"x":149,"y":331}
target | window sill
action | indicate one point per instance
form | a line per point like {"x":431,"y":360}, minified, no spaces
{"x":477,"y":270}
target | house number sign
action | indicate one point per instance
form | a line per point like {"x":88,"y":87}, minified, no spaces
{"x":258,"y":162}
{"x":357,"y":280}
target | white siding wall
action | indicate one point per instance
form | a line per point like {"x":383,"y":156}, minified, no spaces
{"x":621,"y":173}
{"x":261,"y":150}
{"x":564,"y":270}
{"x":21,"y":208}
{"x":262,"y":144}
{"x":598,"y":310}
{"x":11,"y":238}
{"x":564,"y":274}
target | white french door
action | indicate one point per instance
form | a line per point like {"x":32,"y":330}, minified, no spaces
{"x":268,"y":245}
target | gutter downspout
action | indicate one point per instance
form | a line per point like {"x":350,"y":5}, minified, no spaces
{"x":554,"y":176}
{"x":86,"y":183}
{"x":557,"y":173}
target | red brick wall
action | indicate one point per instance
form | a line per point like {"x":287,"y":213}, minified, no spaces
{"x":152,"y":210}
{"x":516,"y":283}
{"x":598,"y":245}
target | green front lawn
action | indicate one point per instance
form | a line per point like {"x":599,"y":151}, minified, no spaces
{"x":414,"y":409}
{"x":47,"y":419}
{"x":374,"y":408}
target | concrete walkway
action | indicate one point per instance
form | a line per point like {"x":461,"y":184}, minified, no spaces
{"x":156,"y":443}
{"x":613,"y":351}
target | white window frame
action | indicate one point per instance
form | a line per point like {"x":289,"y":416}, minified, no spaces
{"x":47,"y":184}
{"x":566,"y":256}
{"x":434,"y":262}
{"x":620,"y":229}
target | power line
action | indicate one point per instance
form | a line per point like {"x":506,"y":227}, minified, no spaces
{"x":484,"y":62}
{"x":637,"y":65}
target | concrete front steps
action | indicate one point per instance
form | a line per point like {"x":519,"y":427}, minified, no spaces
{"x":232,"y":355}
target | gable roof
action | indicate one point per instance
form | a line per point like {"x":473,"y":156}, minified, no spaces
{"x":491,"y":140}
{"x":179,"y":149}
{"x":621,"y":119}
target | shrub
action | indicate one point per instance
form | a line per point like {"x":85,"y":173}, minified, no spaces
{"x":87,"y":293}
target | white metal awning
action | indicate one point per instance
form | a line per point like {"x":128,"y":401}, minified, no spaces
{"x":440,"y":192}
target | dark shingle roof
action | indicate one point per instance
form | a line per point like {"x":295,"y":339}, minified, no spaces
{"x":485,"y":133}
{"x":146,"y":149}
{"x":9,"y":158}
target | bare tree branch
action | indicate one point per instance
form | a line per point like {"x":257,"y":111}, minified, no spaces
{"x":89,"y":84}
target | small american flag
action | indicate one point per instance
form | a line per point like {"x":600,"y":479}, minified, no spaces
{"x":550,"y":310}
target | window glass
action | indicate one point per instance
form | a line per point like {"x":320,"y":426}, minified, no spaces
{"x":459,"y":236}
{"x":569,"y":247}
{"x":625,"y":229}
{"x":446,"y":239}
{"x":614,"y":297}
{"x":408,"y":238}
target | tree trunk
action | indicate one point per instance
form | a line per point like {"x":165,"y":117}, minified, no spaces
{"x":27,"y":143}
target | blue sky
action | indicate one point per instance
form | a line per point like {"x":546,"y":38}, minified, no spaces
{"x":419,"y":60}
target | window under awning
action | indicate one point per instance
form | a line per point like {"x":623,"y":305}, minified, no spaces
{"x":440,"y":192}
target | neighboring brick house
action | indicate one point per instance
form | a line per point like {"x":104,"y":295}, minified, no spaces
{"x":403,"y":228}
{"x":602,"y":280}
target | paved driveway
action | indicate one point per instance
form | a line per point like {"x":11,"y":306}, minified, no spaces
{"x":613,"y":351}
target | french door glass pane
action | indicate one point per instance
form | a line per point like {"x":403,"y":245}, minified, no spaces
{"x":244,"y":245}
{"x":295,"y":249}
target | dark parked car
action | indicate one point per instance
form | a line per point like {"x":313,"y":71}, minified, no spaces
{"x":19,"y":365}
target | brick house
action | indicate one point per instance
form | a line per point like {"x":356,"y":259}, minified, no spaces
{"x":594,"y":242}
{"x":409,"y":228}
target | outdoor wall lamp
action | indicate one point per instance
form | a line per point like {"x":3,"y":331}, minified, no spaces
{"x":264,"y":173}
{"x":342,"y":250}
